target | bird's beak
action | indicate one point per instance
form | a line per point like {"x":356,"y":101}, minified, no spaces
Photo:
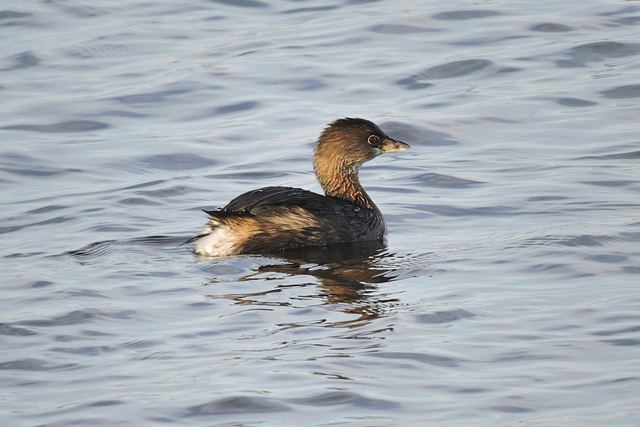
{"x":389,"y":145}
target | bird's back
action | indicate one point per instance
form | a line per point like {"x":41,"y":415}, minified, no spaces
{"x":273,"y":219}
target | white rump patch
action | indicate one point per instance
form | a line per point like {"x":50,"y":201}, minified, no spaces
{"x":219,"y":241}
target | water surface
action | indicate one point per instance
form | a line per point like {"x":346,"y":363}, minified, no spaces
{"x":507,"y":293}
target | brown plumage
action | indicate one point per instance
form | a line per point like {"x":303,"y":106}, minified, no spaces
{"x":273,"y":219}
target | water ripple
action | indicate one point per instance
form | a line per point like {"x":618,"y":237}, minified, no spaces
{"x":575,"y":102}
{"x":429,"y":359}
{"x":551,"y":27}
{"x":12,"y":330}
{"x":62,"y":127}
{"x":342,"y":398}
{"x":621,"y":92}
{"x":10,"y":14}
{"x":34,"y":365}
{"x":149,"y":98}
{"x":178,"y":161}
{"x":234,"y":108}
{"x":22,"y":60}
{"x":443,"y":181}
{"x":76,"y":317}
{"x":237,"y":405}
{"x":445,"y":71}
{"x":243,"y":3}
{"x":463,"y":15}
{"x":444,"y":316}
{"x":399,"y":29}
{"x":581,"y":55}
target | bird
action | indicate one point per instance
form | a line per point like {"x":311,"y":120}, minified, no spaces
{"x":276,"y":219}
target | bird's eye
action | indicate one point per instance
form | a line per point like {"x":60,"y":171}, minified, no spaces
{"x":374,"y":141}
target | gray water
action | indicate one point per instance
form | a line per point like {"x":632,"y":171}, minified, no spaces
{"x":508,"y":291}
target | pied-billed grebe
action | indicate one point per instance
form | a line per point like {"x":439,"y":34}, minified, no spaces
{"x":274,"y":219}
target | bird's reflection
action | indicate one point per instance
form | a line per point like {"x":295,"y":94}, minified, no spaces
{"x":347,"y":276}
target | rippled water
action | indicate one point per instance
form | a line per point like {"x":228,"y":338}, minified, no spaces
{"x":507,"y":294}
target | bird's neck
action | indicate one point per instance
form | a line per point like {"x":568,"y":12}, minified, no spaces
{"x":342,"y":181}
